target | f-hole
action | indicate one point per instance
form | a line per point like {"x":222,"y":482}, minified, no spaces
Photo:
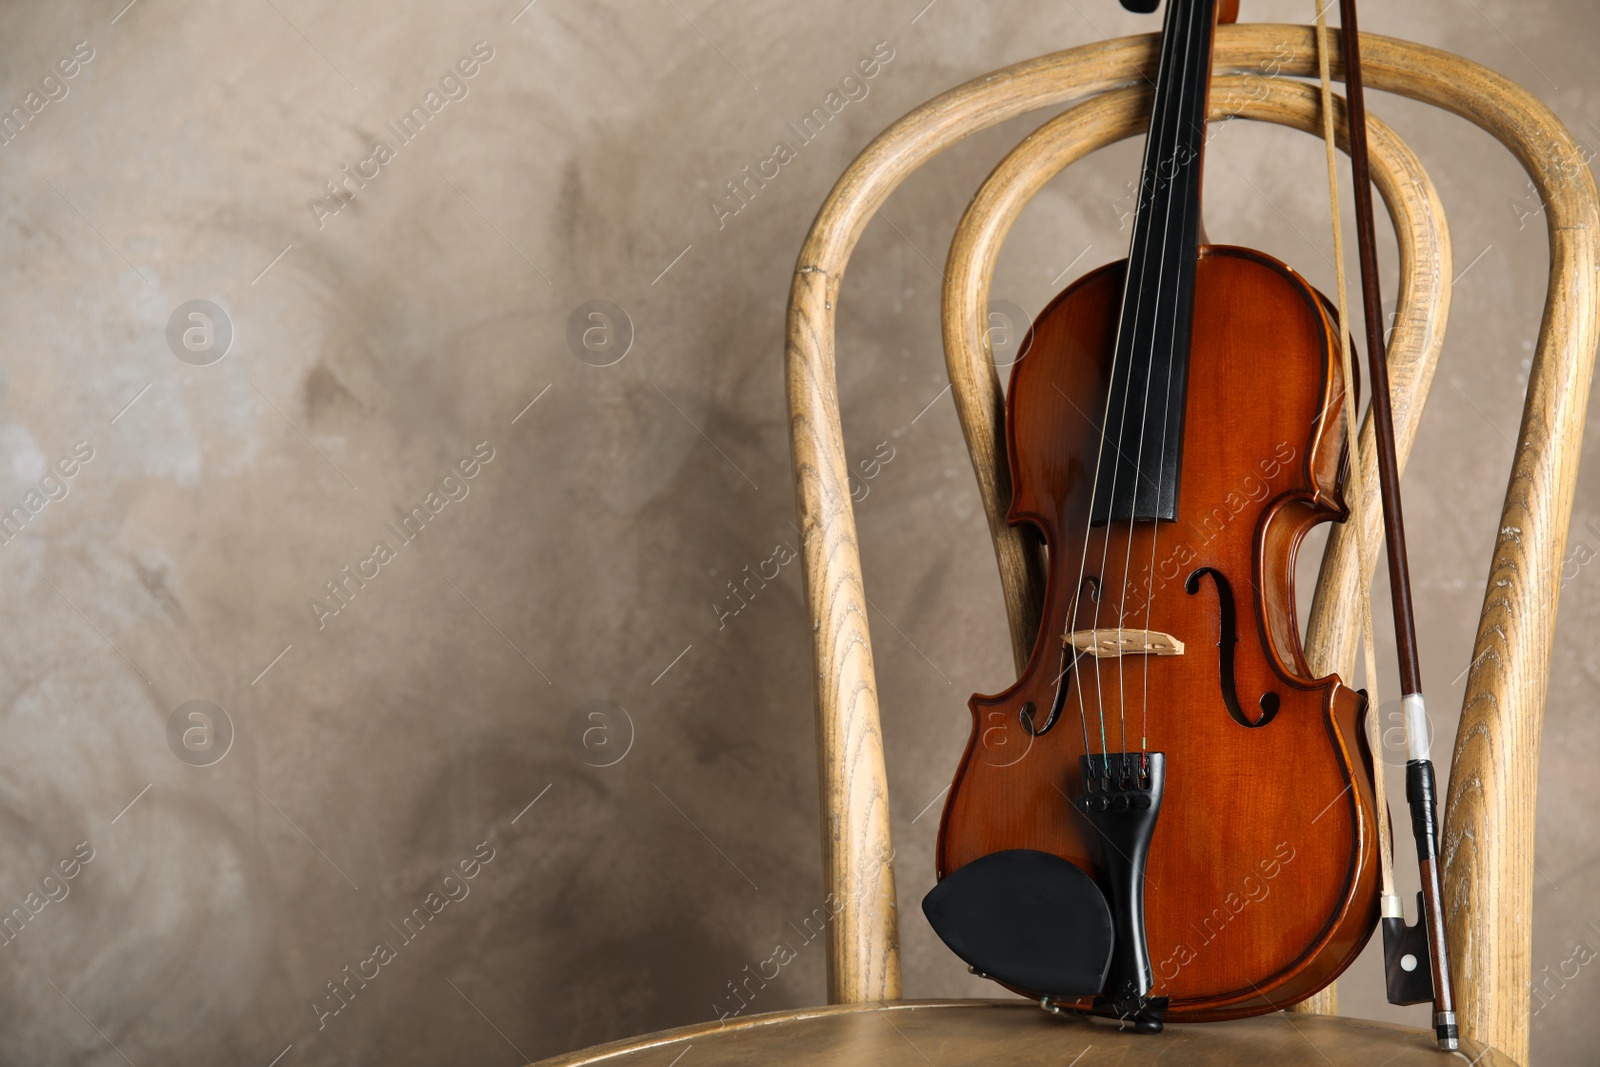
{"x":1230,"y":637}
{"x":1091,"y":586}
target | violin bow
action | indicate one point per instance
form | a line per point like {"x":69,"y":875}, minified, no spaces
{"x":1402,"y":944}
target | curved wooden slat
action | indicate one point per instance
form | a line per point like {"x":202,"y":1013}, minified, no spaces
{"x":1494,"y":774}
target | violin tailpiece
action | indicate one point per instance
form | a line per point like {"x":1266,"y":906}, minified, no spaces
{"x":1121,"y":799}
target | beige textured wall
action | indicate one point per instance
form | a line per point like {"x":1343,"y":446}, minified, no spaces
{"x":391,"y":750}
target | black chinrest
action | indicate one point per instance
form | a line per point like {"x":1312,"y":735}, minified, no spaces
{"x":1029,"y":919}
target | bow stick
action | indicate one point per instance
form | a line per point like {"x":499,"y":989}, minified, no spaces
{"x":1407,"y":984}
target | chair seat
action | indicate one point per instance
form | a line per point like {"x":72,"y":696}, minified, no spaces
{"x":950,"y":1033}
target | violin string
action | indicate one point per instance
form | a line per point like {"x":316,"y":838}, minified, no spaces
{"x":1136,"y":260}
{"x":1174,"y":202}
{"x":1136,"y":255}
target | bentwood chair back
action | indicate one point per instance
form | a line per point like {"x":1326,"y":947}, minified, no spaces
{"x":1489,"y":812}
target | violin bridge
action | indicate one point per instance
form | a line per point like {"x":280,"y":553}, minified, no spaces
{"x":1109,"y":644}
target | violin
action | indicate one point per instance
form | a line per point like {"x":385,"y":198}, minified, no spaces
{"x":1169,"y":816}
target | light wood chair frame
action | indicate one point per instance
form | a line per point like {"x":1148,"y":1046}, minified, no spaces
{"x":1490,"y":800}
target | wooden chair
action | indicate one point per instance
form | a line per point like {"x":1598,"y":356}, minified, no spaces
{"x":1490,"y":800}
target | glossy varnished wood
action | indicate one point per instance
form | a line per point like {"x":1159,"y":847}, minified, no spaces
{"x":1261,"y":878}
{"x":1423,"y":303}
{"x":986,"y":1033}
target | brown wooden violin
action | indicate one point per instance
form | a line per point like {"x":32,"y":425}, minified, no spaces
{"x":1168,"y":816}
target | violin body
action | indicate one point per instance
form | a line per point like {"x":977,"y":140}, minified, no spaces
{"x":1261,"y":877}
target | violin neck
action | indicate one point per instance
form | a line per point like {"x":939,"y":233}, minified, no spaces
{"x":1144,"y":418}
